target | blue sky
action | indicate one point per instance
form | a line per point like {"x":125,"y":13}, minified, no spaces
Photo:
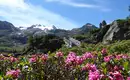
{"x":66,"y":14}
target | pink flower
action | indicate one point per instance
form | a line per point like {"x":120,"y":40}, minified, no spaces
{"x":118,"y":57}
{"x":107,"y":58}
{"x":110,"y":77}
{"x":72,"y":54}
{"x":124,"y":56}
{"x":102,"y":76}
{"x":90,"y":67}
{"x":34,"y":55}
{"x":93,"y":67}
{"x":71,"y":59}
{"x":104,"y":51}
{"x":13,"y":73}
{"x":13,"y":59}
{"x":44,"y":57}
{"x":87,"y":55}
{"x":79,"y":60}
{"x":94,"y":75}
{"x":84,"y":68}
{"x":1,"y":57}
{"x":33,"y":59}
{"x":59,"y":54}
{"x":128,"y":78}
{"x":118,"y":76}
{"x":116,"y":68}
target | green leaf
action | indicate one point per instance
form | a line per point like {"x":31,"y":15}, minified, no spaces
{"x":125,"y":65}
{"x":0,"y":77}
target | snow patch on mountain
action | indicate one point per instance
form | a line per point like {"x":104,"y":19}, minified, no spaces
{"x":43,"y":27}
{"x":39,"y":26}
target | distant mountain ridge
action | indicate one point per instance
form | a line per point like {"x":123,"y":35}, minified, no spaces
{"x":19,"y":35}
{"x":117,"y":30}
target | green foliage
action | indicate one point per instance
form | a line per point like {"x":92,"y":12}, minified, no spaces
{"x":120,"y":46}
{"x":94,"y":31}
{"x":80,"y":37}
{"x":44,"y":44}
{"x":123,"y":22}
{"x":117,"y":46}
{"x":14,"y":49}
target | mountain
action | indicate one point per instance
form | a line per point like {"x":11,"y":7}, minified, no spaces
{"x":84,"y":29}
{"x":4,"y":25}
{"x":38,"y":29}
{"x":43,"y":30}
{"x":10,"y":35}
{"x":18,"y":36}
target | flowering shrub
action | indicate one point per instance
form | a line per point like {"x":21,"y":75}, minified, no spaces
{"x":88,"y":66}
{"x":13,"y":73}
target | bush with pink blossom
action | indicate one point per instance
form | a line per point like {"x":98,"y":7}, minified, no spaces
{"x":87,"y":66}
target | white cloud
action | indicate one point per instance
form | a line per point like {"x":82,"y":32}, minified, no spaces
{"x":82,"y":5}
{"x":74,"y":4}
{"x":13,"y":3}
{"x":25,"y":14}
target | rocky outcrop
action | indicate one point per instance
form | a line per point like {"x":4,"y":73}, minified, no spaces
{"x":102,"y":32}
{"x":119,"y":30}
{"x":111,"y":32}
{"x":70,"y":42}
{"x":102,"y":24}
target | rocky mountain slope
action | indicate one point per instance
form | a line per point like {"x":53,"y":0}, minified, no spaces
{"x":10,"y":35}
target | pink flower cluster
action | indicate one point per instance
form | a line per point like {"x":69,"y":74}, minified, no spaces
{"x":35,"y":58}
{"x":32,"y":59}
{"x":10,"y":58}
{"x":90,"y":67}
{"x":72,"y":59}
{"x":87,"y":55}
{"x":13,"y":59}
{"x":13,"y":73}
{"x":107,"y":58}
{"x":94,"y":75}
{"x":104,"y":51}
{"x":59,"y":54}
{"x":117,"y":57}
{"x":128,"y":78}
{"x":44,"y":58}
{"x":122,"y":56}
{"x":115,"y":76}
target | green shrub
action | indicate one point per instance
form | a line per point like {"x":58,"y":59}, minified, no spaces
{"x":117,"y":46}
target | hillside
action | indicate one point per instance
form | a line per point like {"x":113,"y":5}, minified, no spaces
{"x":88,"y":33}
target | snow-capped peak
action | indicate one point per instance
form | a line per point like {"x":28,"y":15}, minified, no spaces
{"x":39,"y":26}
{"x":43,"y":27}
